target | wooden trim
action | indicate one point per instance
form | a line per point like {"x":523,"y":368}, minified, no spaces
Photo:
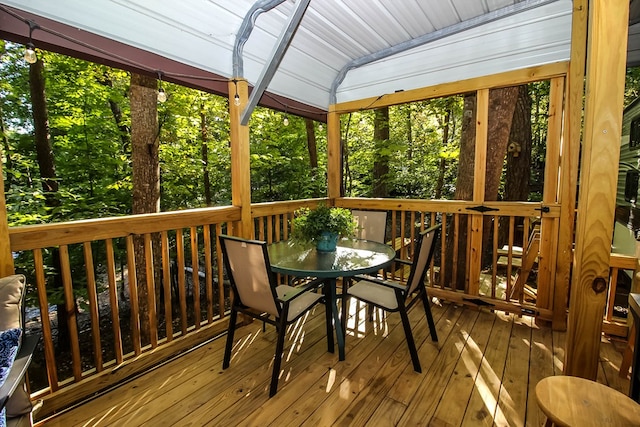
{"x":461,"y":298}
{"x":509,"y":78}
{"x":47,"y":235}
{"x":240,"y":156}
{"x":447,"y":206}
{"x":606,"y":66}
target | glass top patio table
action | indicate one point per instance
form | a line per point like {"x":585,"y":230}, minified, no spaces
{"x":351,"y":257}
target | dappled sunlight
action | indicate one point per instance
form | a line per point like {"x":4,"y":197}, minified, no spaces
{"x":241,"y":346}
{"x":345,"y":389}
{"x":331,"y":380}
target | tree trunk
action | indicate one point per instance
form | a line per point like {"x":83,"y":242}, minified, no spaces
{"x":146,"y":179}
{"x":518,"y":170}
{"x":456,"y":274}
{"x":46,"y":165}
{"x":501,"y":107}
{"x":381,"y":161}
{"x":442,"y":167}
{"x":7,"y":153}
{"x":204,"y":134}
{"x":313,"y":151}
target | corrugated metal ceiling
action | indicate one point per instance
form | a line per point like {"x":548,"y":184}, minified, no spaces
{"x":333,"y":33}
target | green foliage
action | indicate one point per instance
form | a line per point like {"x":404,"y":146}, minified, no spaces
{"x":309,"y":224}
{"x":280,"y":165}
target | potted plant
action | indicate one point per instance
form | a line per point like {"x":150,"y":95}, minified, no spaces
{"x":323,"y":226}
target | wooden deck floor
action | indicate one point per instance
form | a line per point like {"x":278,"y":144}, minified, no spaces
{"x":482,"y":372}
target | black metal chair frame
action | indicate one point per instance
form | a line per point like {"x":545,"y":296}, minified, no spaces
{"x":282,"y":304}
{"x":401,"y":293}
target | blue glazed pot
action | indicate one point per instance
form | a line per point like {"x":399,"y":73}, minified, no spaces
{"x":327,"y":242}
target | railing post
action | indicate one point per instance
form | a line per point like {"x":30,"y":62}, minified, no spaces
{"x":240,"y":155}
{"x":334,"y":155}
{"x":6,"y":260}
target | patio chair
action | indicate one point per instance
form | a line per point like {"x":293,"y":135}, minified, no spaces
{"x":393,"y":296}
{"x":372,"y":225}
{"x":256,"y":294}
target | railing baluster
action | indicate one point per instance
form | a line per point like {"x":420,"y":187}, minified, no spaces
{"x":208,"y":271}
{"x":195,"y":270}
{"x":494,"y":261}
{"x":151,"y":290}
{"x":70,"y":308}
{"x":47,"y":336}
{"x":92,"y":294}
{"x":133,"y":296}
{"x":182,"y":291}
{"x":166,"y":285}
{"x":219,"y":262}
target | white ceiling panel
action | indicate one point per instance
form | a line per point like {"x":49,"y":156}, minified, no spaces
{"x":332,"y":34}
{"x":535,"y":37}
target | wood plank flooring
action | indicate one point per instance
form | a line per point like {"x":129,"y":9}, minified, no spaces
{"x":481,"y":372}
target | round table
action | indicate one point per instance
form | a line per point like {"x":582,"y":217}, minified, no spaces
{"x":351,"y":257}
{"x":574,"y":401}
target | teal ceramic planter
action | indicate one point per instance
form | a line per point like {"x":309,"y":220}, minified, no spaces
{"x":327,"y":242}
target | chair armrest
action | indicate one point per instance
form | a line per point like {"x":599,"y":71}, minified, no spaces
{"x":19,"y":368}
{"x":387,"y":283}
{"x":403,"y":261}
{"x":299,"y":290}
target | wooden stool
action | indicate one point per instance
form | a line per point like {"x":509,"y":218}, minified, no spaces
{"x":573,"y":401}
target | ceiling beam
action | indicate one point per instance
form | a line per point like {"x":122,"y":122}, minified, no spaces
{"x":277,"y":54}
{"x":245,"y":30}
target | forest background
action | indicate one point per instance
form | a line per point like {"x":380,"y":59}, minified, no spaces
{"x":82,"y":140}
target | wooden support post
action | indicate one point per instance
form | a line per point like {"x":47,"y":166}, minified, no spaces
{"x":570,"y":154}
{"x":479,"y":179}
{"x":549,"y":226}
{"x":240,"y":156}
{"x":606,"y":66}
{"x":6,"y":260}
{"x":334,"y":155}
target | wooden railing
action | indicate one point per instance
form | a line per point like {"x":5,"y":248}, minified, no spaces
{"x":177,"y":273}
{"x":156,"y":301}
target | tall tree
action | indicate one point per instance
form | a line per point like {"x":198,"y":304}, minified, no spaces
{"x":204,"y":135}
{"x":501,"y":106}
{"x":313,"y":150}
{"x":518,"y":164}
{"x":381,"y":159}
{"x":146,"y":176}
{"x":47,"y":167}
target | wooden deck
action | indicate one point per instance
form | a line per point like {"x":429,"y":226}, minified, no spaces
{"x":482,"y":372}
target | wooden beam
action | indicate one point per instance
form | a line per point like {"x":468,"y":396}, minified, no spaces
{"x":569,"y":163}
{"x":549,"y":228}
{"x":240,"y":156}
{"x":605,"y":79}
{"x":334,"y":155}
{"x":509,"y":78}
{"x":479,"y":179}
{"x":6,"y":259}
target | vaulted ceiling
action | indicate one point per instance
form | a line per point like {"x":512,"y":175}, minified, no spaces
{"x":340,"y":51}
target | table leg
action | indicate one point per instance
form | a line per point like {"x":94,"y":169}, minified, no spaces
{"x":331,"y":294}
